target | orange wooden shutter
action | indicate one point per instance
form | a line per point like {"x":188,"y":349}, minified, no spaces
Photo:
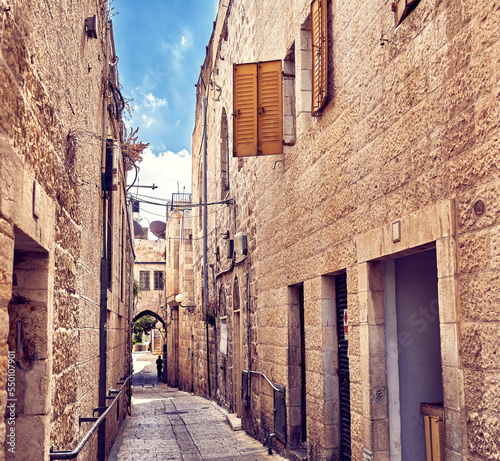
{"x":320,"y":54}
{"x":245,"y":110}
{"x":270,"y":108}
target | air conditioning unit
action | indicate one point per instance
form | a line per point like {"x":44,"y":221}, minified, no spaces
{"x":240,"y":243}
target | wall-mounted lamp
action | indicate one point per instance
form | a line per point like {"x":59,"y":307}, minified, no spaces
{"x":179,"y":299}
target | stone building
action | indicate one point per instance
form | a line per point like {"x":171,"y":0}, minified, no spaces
{"x":65,"y":232}
{"x":149,"y":272}
{"x":180,"y":360}
{"x":353,"y":273}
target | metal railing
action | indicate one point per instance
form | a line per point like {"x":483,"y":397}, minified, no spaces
{"x":266,"y":378}
{"x":71,"y":454}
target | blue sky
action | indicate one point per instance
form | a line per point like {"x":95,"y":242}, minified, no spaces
{"x":161,"y":46}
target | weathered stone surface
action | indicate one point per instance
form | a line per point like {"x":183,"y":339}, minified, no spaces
{"x":480,"y":345}
{"x":483,"y":307}
{"x":484,"y":433}
{"x":409,"y":133}
{"x":51,"y":99}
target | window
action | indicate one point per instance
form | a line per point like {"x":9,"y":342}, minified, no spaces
{"x":144,"y":280}
{"x":258,"y":109}
{"x":402,"y":8}
{"x":224,"y":156}
{"x":158,"y":280}
{"x":319,"y":55}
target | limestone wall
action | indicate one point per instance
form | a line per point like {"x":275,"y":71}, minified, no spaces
{"x":51,"y":210}
{"x":409,"y":133}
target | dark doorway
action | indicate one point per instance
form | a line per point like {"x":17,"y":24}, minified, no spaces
{"x":343,"y":370}
{"x":297,"y":367}
{"x":29,"y":366}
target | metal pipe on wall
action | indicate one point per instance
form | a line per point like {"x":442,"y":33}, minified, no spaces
{"x":205,"y":229}
{"x":103,"y":334}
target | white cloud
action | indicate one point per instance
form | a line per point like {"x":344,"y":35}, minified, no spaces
{"x":147,"y":121}
{"x":170,"y":171}
{"x":151,"y":101}
{"x":179,"y":48}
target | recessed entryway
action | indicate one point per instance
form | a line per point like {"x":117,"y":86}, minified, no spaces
{"x":414,"y":372}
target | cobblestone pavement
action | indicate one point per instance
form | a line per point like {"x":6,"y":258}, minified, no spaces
{"x":167,"y":424}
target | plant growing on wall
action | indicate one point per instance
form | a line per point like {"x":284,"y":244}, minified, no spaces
{"x":137,"y":290}
{"x":132,"y":149}
{"x":210,"y":313}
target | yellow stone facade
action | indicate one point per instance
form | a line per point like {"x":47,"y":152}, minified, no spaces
{"x":66,"y":249}
{"x":394,"y":180}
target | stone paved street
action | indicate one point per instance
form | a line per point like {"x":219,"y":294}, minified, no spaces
{"x":170,"y":425}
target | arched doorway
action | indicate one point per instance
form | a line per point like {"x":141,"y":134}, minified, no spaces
{"x":157,"y":335}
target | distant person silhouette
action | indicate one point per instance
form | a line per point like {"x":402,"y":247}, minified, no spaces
{"x":159,"y":365}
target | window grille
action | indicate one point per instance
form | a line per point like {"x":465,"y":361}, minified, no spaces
{"x":144,"y":280}
{"x":245,"y":397}
{"x":280,"y":412}
{"x":158,"y":280}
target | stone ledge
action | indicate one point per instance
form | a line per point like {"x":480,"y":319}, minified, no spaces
{"x":234,"y":422}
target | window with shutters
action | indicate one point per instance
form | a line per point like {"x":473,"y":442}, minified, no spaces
{"x":319,"y":55}
{"x":258,"y":109}
{"x":402,"y":8}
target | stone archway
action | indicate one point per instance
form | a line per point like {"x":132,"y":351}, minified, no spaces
{"x":158,"y":338}
{"x":150,"y":313}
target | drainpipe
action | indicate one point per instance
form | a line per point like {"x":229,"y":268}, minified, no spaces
{"x":249,"y":333}
{"x":216,"y":363}
{"x":103,"y":334}
{"x":205,"y":229}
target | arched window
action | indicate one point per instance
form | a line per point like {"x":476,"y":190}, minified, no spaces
{"x":222,"y":302}
{"x":224,"y":156}
{"x":236,"y":295}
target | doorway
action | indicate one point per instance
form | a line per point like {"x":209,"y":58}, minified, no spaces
{"x":29,"y":366}
{"x":237,"y":364}
{"x":297,"y":367}
{"x":343,"y":367}
{"x":414,"y":372}
{"x":173,"y":371}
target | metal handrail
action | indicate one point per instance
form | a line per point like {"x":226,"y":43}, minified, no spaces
{"x":70,"y":454}
{"x":266,"y":378}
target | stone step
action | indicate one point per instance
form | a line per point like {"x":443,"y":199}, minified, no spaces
{"x":234,"y":422}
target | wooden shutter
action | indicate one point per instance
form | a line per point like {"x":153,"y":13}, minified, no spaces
{"x":245,"y":110}
{"x":270,"y":108}
{"x":319,"y":54}
{"x":258,"y":109}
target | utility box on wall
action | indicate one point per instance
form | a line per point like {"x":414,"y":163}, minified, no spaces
{"x":240,"y":243}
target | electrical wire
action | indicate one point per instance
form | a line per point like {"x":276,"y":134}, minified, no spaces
{"x":190,"y":205}
{"x":149,"y":196}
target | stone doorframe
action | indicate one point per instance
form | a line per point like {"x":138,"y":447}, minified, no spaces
{"x":431,"y":226}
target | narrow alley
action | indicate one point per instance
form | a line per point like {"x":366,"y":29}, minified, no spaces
{"x":167,"y":424}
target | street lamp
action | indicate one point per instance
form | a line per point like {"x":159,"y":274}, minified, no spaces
{"x":179,"y":299}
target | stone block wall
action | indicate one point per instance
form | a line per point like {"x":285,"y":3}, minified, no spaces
{"x":51,"y":210}
{"x":409,"y":134}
